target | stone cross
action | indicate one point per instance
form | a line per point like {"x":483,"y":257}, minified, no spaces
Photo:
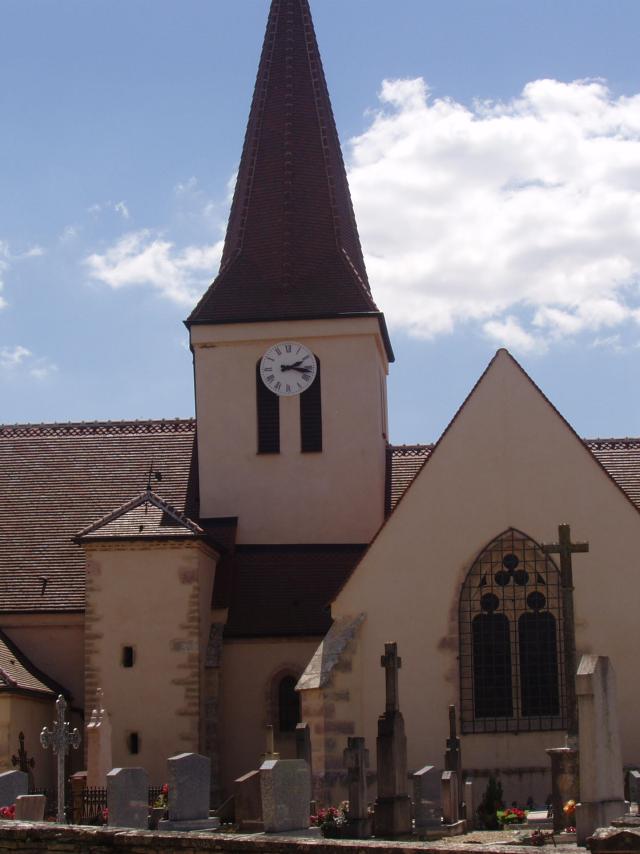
{"x":23,"y":761}
{"x":391,"y":663}
{"x":565,"y":548}
{"x":60,"y":737}
{"x":271,"y":745}
{"x":356,"y":760}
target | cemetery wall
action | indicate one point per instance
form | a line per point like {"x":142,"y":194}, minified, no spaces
{"x":507,"y":460}
{"x":248,"y":702}
{"x":336,"y":496}
{"x":29,"y":715}
{"x":150,"y":598}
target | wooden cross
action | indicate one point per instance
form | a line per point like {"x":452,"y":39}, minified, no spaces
{"x":565,"y":548}
{"x":391,"y":663}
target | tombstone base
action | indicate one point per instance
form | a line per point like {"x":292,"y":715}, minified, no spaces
{"x":196,"y":824}
{"x":392,"y":816}
{"x":358,"y":828}
{"x":30,"y":807}
{"x":595,"y":814}
{"x":456,"y":829}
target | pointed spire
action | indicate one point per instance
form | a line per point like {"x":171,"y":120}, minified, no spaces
{"x":292,"y":249}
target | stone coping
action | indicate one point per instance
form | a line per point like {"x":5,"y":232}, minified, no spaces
{"x":18,"y":836}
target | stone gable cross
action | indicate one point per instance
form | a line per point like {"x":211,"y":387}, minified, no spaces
{"x":391,"y":663}
{"x":565,"y":548}
{"x":60,"y":738}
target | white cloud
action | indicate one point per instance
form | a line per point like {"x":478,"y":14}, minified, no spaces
{"x":69,"y":233}
{"x":20,"y":360}
{"x":143,"y":258}
{"x":117,"y":207}
{"x":523,"y":217}
{"x":122,"y":209}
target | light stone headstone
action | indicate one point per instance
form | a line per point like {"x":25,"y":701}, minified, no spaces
{"x":450,"y":797}
{"x":469,"y":803}
{"x":601,"y":772}
{"x":189,"y":793}
{"x":99,"y":754}
{"x":426,"y":798}
{"x":128,"y":798}
{"x":30,"y":807}
{"x":285,"y":787}
{"x":12,"y":784}
{"x":356,"y":761}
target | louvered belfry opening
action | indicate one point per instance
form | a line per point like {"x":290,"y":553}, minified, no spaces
{"x":268,"y":408}
{"x":311,"y":416}
{"x":511,"y":649}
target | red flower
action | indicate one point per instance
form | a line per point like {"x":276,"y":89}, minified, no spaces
{"x":165,"y":789}
{"x":8,"y":812}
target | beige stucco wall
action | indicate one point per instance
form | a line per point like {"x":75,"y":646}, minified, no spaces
{"x":55,"y":645}
{"x":152,"y":597}
{"x":508,"y":460}
{"x":29,"y":715}
{"x":247,"y":707}
{"x":331,"y":497}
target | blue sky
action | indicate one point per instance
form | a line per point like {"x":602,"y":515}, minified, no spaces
{"x":496,"y":178}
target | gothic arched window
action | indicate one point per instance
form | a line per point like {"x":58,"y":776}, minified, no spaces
{"x":288,"y":704}
{"x":511,"y":674}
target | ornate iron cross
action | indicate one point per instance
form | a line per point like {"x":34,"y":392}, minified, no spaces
{"x":391,"y":663}
{"x":60,"y":738}
{"x":565,"y":548}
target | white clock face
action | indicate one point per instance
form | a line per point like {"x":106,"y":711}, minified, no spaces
{"x":288,"y":368}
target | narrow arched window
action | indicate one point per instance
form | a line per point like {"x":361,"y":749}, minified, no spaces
{"x":268,"y":406}
{"x":511,"y":672}
{"x":288,"y":704}
{"x":311,"y":416}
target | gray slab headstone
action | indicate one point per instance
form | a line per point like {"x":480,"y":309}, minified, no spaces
{"x":30,"y":807}
{"x":285,"y":787}
{"x":450,"y":797}
{"x":248,"y":802}
{"x":12,"y":784}
{"x":189,"y":793}
{"x":601,"y":774}
{"x":632,"y":786}
{"x":426,"y":798}
{"x":356,"y":761}
{"x":128,"y":798}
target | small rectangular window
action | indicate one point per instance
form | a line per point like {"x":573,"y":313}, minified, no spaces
{"x":128,"y":656}
{"x":133,"y":743}
{"x":311,"y":416}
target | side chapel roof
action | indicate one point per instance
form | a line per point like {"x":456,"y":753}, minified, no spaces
{"x":292,"y":249}
{"x":19,"y":675}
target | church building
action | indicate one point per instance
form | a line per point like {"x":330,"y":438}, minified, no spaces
{"x":245,"y":568}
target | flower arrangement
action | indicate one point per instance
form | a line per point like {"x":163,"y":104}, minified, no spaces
{"x":569,"y":810}
{"x":332,"y":820}
{"x":162,"y":801}
{"x":8,"y":812}
{"x":513,"y":815}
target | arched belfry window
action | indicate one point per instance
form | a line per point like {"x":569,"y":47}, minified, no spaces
{"x":511,"y":674}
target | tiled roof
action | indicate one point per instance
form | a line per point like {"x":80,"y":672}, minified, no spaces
{"x":146,"y":516}
{"x":403,"y":464}
{"x":17,"y":673}
{"x":292,"y":248}
{"x":621,"y":458}
{"x":286,"y":590}
{"x":58,"y":478}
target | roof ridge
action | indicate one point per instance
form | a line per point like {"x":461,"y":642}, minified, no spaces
{"x":74,"y":428}
{"x":613,"y":442}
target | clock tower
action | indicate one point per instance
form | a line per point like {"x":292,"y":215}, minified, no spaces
{"x":291,"y":352}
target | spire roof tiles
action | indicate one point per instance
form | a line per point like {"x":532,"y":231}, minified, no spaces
{"x":292,"y":249}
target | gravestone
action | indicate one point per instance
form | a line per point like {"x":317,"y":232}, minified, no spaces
{"x":565,"y":782}
{"x":453,"y":755}
{"x":392,"y":815}
{"x":12,"y":784}
{"x":450,"y":797}
{"x":30,"y":807}
{"x":356,"y":761}
{"x":128,"y":798}
{"x":285,"y":788}
{"x":99,"y":755}
{"x":248,"y":802}
{"x":426,"y":798}
{"x":303,"y":745}
{"x":469,"y":803}
{"x":60,"y":737}
{"x":601,"y":774}
{"x":189,"y":794}
{"x":632,"y":786}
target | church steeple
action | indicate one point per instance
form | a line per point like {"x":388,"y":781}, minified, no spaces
{"x":292,"y":249}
